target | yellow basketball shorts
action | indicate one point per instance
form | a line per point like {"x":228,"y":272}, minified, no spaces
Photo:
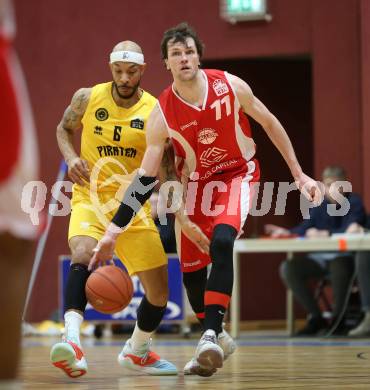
{"x":139,"y":247}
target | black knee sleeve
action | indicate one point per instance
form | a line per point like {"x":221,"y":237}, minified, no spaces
{"x":221,"y":251}
{"x":74,"y":295}
{"x":195,"y":285}
{"x":220,"y":282}
{"x":149,"y":316}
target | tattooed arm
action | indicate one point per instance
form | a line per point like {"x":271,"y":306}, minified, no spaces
{"x":78,"y":169}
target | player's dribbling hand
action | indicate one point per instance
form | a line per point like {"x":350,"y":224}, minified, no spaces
{"x":194,"y":233}
{"x":103,"y":252}
{"x":78,"y":171}
{"x":310,"y":189}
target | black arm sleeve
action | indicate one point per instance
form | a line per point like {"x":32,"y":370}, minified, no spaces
{"x":137,"y":194}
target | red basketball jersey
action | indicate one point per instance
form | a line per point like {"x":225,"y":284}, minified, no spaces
{"x":19,"y":154}
{"x":10,"y":128}
{"x":214,"y":138}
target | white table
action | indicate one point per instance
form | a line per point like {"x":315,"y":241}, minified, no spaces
{"x":288,"y":245}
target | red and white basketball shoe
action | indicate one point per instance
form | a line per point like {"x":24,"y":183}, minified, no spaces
{"x":144,"y":360}
{"x":69,"y":357}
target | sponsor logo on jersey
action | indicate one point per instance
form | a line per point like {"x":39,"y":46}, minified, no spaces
{"x":108,"y":150}
{"x":193,"y":123}
{"x":137,"y":123}
{"x":207,"y":136}
{"x":98,"y":130}
{"x":101,"y":114}
{"x":220,"y":87}
{"x":194,"y":263}
{"x":211,"y":156}
{"x":218,"y":168}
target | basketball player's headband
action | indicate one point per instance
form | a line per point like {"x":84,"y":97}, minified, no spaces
{"x":127,"y":56}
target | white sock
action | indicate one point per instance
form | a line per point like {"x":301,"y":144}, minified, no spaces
{"x":73,"y":321}
{"x":139,"y":337}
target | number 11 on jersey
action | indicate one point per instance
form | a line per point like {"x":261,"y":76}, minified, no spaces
{"x":217,"y":106}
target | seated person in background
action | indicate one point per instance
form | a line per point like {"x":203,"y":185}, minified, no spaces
{"x":337,"y":266}
{"x":363,"y":279}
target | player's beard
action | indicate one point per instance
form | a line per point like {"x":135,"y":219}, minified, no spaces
{"x":131,"y":92}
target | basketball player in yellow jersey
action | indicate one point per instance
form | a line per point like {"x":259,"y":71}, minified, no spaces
{"x":113,"y":119}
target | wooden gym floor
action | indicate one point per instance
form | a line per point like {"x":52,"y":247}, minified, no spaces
{"x":261,"y":361}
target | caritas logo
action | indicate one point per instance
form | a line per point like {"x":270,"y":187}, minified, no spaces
{"x":220,"y":87}
{"x":207,"y":136}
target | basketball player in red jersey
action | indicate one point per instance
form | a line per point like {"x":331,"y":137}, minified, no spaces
{"x":203,"y":114}
{"x":18,"y":165}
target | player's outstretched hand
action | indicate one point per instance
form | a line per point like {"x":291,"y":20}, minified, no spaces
{"x":103,"y":252}
{"x":310,"y":189}
{"x":194,"y":233}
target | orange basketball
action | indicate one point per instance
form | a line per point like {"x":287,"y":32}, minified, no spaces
{"x":109,"y":289}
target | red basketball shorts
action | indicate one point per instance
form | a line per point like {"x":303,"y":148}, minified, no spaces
{"x":224,"y":200}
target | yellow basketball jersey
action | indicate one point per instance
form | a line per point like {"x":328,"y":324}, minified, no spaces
{"x":113,"y":138}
